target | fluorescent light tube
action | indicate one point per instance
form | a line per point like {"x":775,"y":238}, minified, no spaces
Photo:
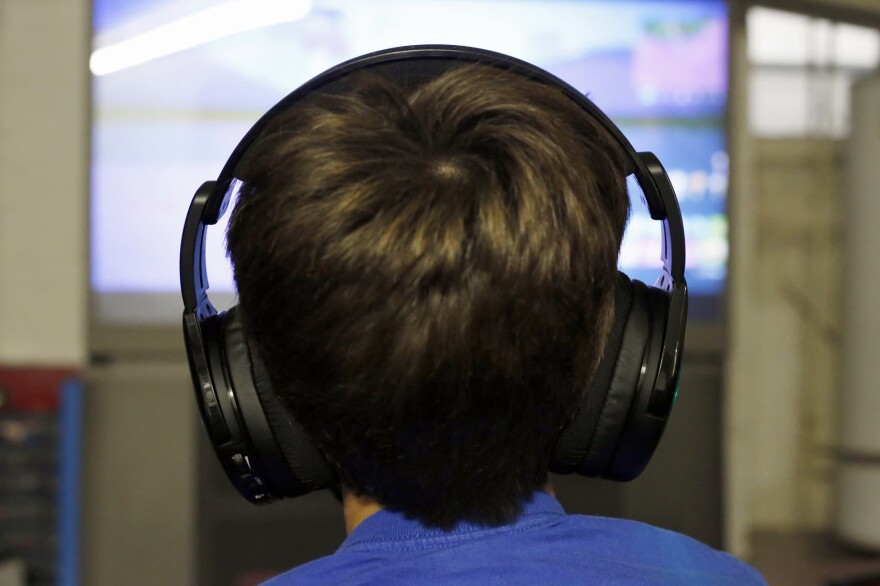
{"x":197,"y":29}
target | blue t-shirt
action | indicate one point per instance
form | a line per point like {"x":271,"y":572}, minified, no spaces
{"x":544,"y":546}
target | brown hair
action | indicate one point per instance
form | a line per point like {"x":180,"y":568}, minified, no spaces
{"x":428,"y":275}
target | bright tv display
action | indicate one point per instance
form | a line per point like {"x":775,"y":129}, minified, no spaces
{"x":178,"y":82}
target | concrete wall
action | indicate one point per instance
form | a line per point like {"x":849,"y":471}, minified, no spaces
{"x":43,"y":192}
{"x":140,"y":495}
{"x":795,"y":330}
{"x":783,"y":382}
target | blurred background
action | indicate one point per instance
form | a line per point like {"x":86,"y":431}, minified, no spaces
{"x":112,"y":112}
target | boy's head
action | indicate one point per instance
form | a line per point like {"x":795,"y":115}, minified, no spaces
{"x":428,"y":274}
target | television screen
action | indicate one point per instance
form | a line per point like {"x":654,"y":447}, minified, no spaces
{"x":177,"y":83}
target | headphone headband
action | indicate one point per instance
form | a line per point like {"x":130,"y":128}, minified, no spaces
{"x":659,"y":196}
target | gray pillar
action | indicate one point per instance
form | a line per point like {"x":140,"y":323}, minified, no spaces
{"x":857,"y":514}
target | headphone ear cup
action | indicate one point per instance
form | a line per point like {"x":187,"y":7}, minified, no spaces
{"x":292,"y":463}
{"x":591,"y":444}
{"x":575,"y":443}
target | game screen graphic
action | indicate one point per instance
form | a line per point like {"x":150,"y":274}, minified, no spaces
{"x":177,"y":83}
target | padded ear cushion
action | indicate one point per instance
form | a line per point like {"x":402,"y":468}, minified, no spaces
{"x":308,"y":464}
{"x":588,"y":443}
{"x":642,"y":432}
{"x":293,"y":464}
{"x":623,"y":388}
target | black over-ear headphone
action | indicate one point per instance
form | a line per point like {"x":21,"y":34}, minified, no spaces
{"x":618,"y":425}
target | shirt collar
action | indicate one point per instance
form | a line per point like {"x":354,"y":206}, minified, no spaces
{"x":389,"y":528}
